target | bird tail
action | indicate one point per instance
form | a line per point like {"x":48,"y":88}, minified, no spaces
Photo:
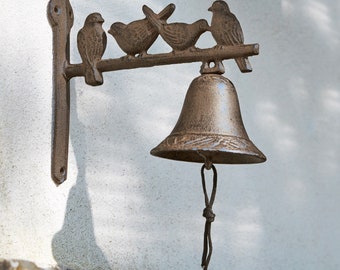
{"x":166,"y":12}
{"x":152,"y":17}
{"x":243,"y":64}
{"x":93,"y":76}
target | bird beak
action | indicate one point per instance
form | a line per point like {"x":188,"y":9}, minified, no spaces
{"x":100,"y":19}
{"x":210,"y":9}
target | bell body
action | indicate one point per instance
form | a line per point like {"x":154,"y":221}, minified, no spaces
{"x":210,"y":127}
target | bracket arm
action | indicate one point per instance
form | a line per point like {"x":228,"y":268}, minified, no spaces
{"x":150,"y":60}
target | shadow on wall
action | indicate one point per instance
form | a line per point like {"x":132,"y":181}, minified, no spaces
{"x":74,"y":246}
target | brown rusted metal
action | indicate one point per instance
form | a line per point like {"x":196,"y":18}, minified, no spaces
{"x":137,"y":37}
{"x":134,"y":39}
{"x":91,"y":42}
{"x":210,"y":127}
{"x":227,"y":31}
{"x":179,"y":36}
{"x":60,"y":16}
{"x":151,"y":60}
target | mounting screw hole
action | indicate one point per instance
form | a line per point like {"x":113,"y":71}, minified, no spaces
{"x":57,"y":10}
{"x":63,"y":171}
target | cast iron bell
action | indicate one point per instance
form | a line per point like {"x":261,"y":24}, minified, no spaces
{"x":210,"y":127}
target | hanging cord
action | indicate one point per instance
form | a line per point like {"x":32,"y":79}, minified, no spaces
{"x":209,"y":215}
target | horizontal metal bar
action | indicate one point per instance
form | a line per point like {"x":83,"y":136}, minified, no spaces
{"x":150,"y":60}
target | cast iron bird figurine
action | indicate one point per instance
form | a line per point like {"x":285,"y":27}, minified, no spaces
{"x":227,"y":31}
{"x":91,"y":45}
{"x":180,"y":36}
{"x":137,"y":37}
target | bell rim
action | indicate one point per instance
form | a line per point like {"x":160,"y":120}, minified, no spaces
{"x":216,"y":148}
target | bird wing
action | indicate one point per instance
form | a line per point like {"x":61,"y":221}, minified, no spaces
{"x":104,"y":43}
{"x":81,"y":43}
{"x":229,"y":31}
{"x":96,"y":43}
{"x":175,"y":33}
{"x":233,"y":31}
{"x":140,"y":31}
{"x":91,"y":44}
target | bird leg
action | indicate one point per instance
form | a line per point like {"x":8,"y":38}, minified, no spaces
{"x":128,"y":57}
{"x":143,"y":54}
{"x":189,"y":50}
{"x":220,"y":47}
{"x":193,"y":49}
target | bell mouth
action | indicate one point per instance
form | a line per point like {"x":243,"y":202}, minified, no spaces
{"x":215,"y":148}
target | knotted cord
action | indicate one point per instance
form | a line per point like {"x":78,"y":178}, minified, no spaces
{"x":209,"y":215}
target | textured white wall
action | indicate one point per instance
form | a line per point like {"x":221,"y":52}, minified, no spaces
{"x":124,"y":209}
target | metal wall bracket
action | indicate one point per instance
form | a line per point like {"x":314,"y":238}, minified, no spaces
{"x":134,"y":39}
{"x":60,"y":16}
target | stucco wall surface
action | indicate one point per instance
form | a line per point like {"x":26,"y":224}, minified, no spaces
{"x":122,"y":208}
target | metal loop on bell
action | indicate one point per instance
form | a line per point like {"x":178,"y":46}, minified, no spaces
{"x":207,"y":163}
{"x":212,"y":67}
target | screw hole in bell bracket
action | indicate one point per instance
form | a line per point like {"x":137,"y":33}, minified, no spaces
{"x":212,"y":67}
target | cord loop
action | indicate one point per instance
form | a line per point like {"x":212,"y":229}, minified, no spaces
{"x":209,"y":215}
